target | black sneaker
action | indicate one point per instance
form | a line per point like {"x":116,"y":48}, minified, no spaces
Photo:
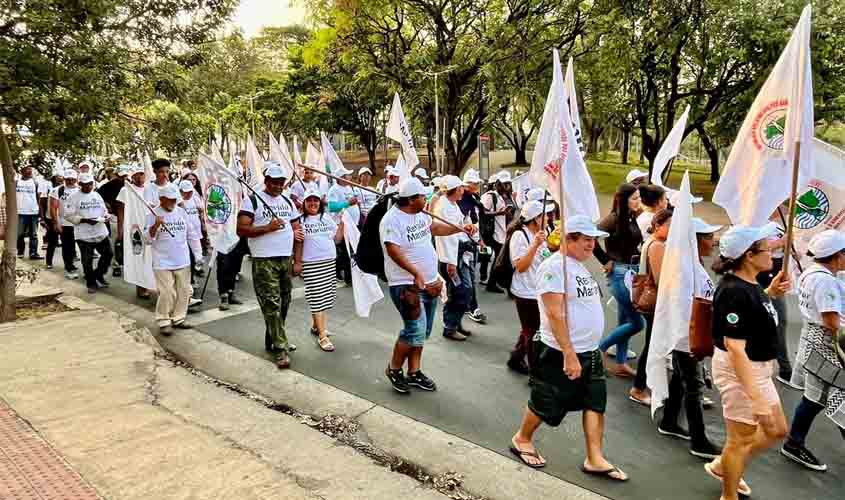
{"x":224,"y":303}
{"x":397,"y":379}
{"x":802,"y":455}
{"x":493,"y":289}
{"x":706,"y":450}
{"x":116,"y":272}
{"x":419,"y":380}
{"x":234,"y":300}
{"x":35,"y":257}
{"x":674,"y":431}
{"x":102,"y":283}
{"x":477,"y":316}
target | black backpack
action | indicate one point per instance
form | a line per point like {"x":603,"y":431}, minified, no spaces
{"x":487,"y":222}
{"x":503,"y":267}
{"x":370,"y":255}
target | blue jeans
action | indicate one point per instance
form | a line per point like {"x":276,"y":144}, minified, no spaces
{"x":630,"y":321}
{"x":28,"y":228}
{"x":460,"y":295}
{"x":417,"y":309}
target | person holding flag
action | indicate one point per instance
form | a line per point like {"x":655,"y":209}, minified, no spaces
{"x":270,"y":222}
{"x":302,"y":185}
{"x":390,"y":183}
{"x":315,"y":260}
{"x":172,"y":236}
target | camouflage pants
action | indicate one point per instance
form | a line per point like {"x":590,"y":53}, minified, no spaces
{"x":271,"y":276}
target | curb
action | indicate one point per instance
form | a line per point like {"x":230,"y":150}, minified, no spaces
{"x":485,"y":472}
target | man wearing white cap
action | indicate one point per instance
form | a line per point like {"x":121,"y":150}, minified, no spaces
{"x":341,"y":197}
{"x":471,"y":207}
{"x":568,"y":374}
{"x":26,"y":190}
{"x":87,"y":211}
{"x":501,"y":205}
{"x":390,"y":183}
{"x":411,"y":270}
{"x":636,"y":177}
{"x":173,"y":237}
{"x":51,"y":237}
{"x":456,"y":257}
{"x":821,"y":299}
{"x":366,"y":199}
{"x":422,"y":175}
{"x":58,"y":208}
{"x":188,"y":202}
{"x":306,"y":182}
{"x":270,"y":222}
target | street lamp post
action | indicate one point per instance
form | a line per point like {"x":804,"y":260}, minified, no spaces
{"x":437,"y":150}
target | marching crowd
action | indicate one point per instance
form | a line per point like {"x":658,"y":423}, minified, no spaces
{"x":435,"y":235}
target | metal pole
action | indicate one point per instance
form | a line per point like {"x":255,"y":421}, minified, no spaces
{"x":436,"y":127}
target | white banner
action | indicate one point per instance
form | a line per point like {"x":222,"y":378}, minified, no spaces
{"x":222,"y":202}
{"x":398,"y":130}
{"x":365,"y":288}
{"x":137,"y":254}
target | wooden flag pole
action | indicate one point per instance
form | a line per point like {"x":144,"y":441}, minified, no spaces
{"x":787,"y":251}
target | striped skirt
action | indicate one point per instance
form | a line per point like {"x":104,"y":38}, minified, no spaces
{"x":320,"y":284}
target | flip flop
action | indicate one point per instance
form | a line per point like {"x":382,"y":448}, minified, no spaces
{"x":521,"y":454}
{"x":606,"y":473}
{"x":742,"y":488}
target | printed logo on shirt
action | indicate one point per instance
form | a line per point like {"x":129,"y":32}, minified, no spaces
{"x":586,"y":286}
{"x":316,"y":227}
{"x":732,"y":318}
{"x":549,"y":276}
{"x":772,"y":311}
{"x":89,"y":204}
{"x":173,"y":227}
{"x":418,"y":231}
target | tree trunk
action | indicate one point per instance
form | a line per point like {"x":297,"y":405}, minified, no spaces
{"x":712,"y":153}
{"x":7,"y":264}
{"x":626,"y":145}
{"x":520,"y":154}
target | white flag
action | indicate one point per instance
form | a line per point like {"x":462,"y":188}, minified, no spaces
{"x":670,"y":149}
{"x":278,"y":155}
{"x":222,"y":202}
{"x":572,"y":99}
{"x":144,"y":159}
{"x":556,"y":157}
{"x":674,"y":295}
{"x":137,"y":254}
{"x":398,"y":130}
{"x":522,"y":183}
{"x":285,"y":151}
{"x":314,"y":159}
{"x":365,"y":288}
{"x":254,"y":173}
{"x":402,"y":169}
{"x":332,"y":160}
{"x":214,"y":151}
{"x":758,"y":173}
{"x":297,"y":157}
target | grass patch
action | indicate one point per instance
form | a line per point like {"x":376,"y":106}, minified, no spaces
{"x":607,"y":175}
{"x":36,"y":310}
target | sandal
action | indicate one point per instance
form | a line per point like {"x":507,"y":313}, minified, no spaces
{"x":325,"y":344}
{"x":607,"y":474}
{"x":742,"y":488}
{"x":521,"y":454}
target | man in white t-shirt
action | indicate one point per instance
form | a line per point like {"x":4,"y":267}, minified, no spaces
{"x":390,"y":183}
{"x":172,"y":235}
{"x":500,"y":204}
{"x":26,"y":191}
{"x":63,"y":227}
{"x":161,"y":169}
{"x":366,"y":199}
{"x":568,"y":374}
{"x":456,"y":257}
{"x":270,"y":222}
{"x":410,"y":266}
{"x":87,"y":211}
{"x":305,"y":183}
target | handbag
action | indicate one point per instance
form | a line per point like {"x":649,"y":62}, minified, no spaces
{"x":644,"y":289}
{"x":821,"y":368}
{"x":701,"y":328}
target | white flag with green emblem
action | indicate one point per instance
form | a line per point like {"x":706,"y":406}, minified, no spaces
{"x":758,"y":174}
{"x":222,"y":202}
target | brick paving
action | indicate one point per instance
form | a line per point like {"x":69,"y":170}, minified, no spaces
{"x":30,"y":469}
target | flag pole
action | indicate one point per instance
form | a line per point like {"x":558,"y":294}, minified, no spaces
{"x":366,"y":188}
{"x":787,"y":251}
{"x":211,"y":261}
{"x":797,"y":260}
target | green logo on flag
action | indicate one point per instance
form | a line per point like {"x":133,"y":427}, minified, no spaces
{"x":812,"y":208}
{"x":219,"y":205}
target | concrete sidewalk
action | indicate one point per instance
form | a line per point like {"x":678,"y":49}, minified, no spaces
{"x":134,"y":424}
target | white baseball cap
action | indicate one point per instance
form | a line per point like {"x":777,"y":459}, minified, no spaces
{"x":85,"y":163}
{"x":503,"y":176}
{"x":634,"y":175}
{"x":471,"y":177}
{"x":169,"y":191}
{"x":364,"y":170}
{"x":421,"y":172}
{"x":70,"y":174}
{"x":536,"y":194}
{"x":275,"y":171}
{"x":701,"y":227}
{"x":411,"y":187}
{"x":341,"y":171}
{"x":186,"y":186}
{"x":532,"y":209}
{"x":124,"y":169}
{"x":738,"y":239}
{"x":827,"y":243}
{"x":582,"y":224}
{"x":450,"y":182}
{"x":86,"y":178}
{"x":437,"y":182}
{"x":138,"y":169}
{"x":390,"y":171}
{"x":312,"y":192}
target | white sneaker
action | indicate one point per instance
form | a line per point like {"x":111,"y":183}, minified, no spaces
{"x":611,"y":351}
{"x":194,"y":302}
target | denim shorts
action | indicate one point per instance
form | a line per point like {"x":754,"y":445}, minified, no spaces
{"x":417,"y":310}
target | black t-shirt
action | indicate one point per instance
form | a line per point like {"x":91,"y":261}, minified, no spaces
{"x":742,"y":310}
{"x":109,"y":191}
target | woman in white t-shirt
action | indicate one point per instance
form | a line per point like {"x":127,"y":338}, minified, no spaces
{"x":528,"y":249}
{"x":315,"y":260}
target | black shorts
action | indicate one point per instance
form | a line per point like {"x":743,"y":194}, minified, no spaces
{"x":553,"y":395}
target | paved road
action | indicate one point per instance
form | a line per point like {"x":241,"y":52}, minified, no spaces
{"x":480,"y":400}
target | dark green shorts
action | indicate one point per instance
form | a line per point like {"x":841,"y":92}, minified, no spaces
{"x":553,"y":395}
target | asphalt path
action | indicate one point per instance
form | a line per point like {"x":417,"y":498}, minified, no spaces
{"x":480,"y":400}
